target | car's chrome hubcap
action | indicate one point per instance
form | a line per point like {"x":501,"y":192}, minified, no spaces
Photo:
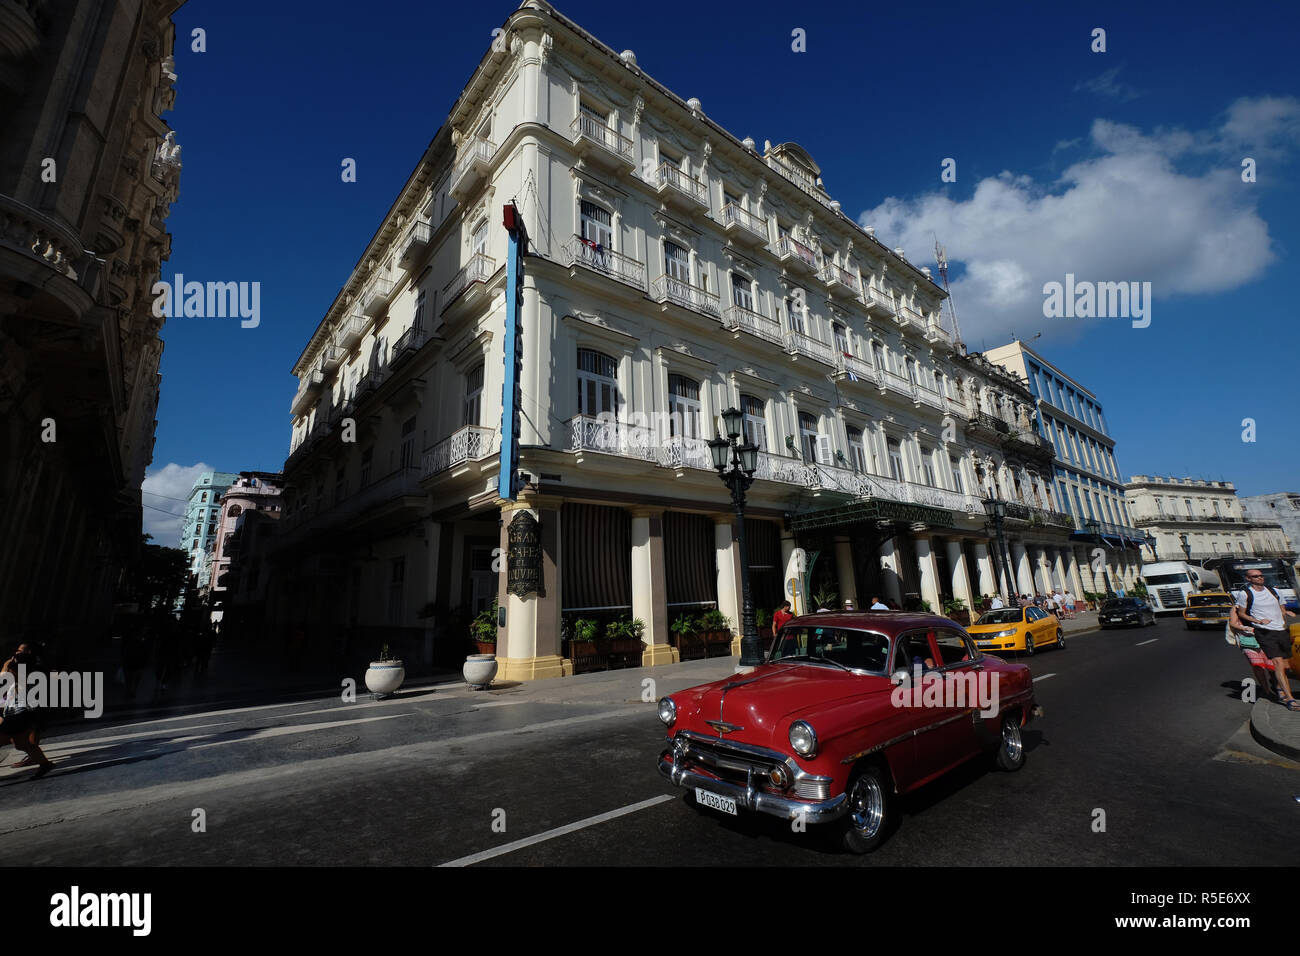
{"x":868,"y":806}
{"x":1011,"y":739}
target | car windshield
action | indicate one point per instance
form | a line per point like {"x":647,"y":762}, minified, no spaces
{"x":1002,"y":615}
{"x":1120,"y":604}
{"x":1177,"y":578}
{"x":859,"y":650}
{"x":1209,"y":600}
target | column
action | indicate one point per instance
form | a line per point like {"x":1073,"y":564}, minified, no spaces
{"x":1021,"y":569}
{"x":432,"y":550}
{"x":1058,"y":565}
{"x":960,"y":579}
{"x":649,"y":585}
{"x":844,"y":571}
{"x":890,"y":582}
{"x":1072,"y":568}
{"x":528,"y":647}
{"x":929,"y":573}
{"x":988,"y":576}
{"x":1044,"y":571}
{"x":728,"y":561}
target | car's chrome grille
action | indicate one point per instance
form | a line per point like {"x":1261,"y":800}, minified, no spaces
{"x":812,"y":788}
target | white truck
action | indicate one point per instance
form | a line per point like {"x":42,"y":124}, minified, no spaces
{"x":1169,"y":583}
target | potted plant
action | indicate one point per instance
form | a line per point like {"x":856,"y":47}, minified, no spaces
{"x":955,"y":609}
{"x":762,"y":620}
{"x":685,"y":631}
{"x":483,"y":630}
{"x":716,"y":630}
{"x":385,"y":675}
{"x":583,"y":643}
{"x":624,"y":637}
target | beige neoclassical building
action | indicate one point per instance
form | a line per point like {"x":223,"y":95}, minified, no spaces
{"x":675,"y":270}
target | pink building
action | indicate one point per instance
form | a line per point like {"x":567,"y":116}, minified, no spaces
{"x":238,"y":578}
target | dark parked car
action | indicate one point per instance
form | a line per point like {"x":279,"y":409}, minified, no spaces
{"x":1125,"y":612}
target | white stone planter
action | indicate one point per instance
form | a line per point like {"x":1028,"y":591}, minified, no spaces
{"x":384,"y":677}
{"x":479,"y":670}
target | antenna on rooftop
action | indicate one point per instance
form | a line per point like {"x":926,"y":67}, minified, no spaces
{"x":941,"y":257}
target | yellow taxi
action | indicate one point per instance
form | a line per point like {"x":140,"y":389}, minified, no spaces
{"x":1207,"y":609}
{"x":1295,"y":646}
{"x":1016,"y":629}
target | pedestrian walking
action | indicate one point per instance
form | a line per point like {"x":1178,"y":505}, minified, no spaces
{"x":996,"y":603}
{"x":1260,"y":607}
{"x":1069,"y":604}
{"x":878,"y":605}
{"x":19,"y":723}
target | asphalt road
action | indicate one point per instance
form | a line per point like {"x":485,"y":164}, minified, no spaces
{"x":1146,"y":725}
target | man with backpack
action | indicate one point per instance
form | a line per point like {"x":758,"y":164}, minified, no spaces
{"x":1260,"y":606}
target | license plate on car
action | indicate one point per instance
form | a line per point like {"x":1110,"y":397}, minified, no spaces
{"x":984,"y":643}
{"x":706,"y":799}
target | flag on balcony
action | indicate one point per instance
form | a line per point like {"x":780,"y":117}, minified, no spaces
{"x":852,"y":376}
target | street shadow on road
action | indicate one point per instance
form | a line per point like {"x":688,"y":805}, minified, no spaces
{"x":129,"y":752}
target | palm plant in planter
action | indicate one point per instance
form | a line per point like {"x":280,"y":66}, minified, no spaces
{"x":716,"y":630}
{"x":583,"y":643}
{"x":955,"y":610}
{"x":686,"y":630}
{"x":624,"y":637}
{"x":385,"y":675}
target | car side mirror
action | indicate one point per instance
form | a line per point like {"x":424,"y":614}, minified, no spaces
{"x":899,"y":677}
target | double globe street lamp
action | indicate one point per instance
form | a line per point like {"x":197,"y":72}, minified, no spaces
{"x":997,"y":509}
{"x":736,"y":464}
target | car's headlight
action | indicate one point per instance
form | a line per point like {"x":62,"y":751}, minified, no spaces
{"x":803,"y":738}
{"x":667,"y":711}
{"x":1009,"y":633}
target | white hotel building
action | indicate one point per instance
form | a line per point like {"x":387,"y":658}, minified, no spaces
{"x":674,"y":271}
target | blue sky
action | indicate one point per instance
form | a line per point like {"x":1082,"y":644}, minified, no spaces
{"x":1115,"y":166}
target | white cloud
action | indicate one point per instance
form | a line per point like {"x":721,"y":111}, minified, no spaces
{"x":164,"y":493}
{"x":1126,"y":213}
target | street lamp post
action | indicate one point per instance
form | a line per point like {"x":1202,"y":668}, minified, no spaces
{"x":1187,"y":546}
{"x":998,"y":509}
{"x":1094,"y":529}
{"x":738,"y":477}
{"x":1151,"y":543}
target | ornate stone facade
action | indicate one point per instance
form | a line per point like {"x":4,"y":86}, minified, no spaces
{"x":88,"y":170}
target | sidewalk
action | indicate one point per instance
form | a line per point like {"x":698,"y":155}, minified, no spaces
{"x":1275,"y":727}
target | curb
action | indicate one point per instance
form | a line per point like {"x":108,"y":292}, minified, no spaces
{"x":1260,"y":718}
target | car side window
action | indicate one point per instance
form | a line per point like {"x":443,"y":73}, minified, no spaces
{"x":1033,"y":614}
{"x":914,"y":646}
{"x":954,"y":647}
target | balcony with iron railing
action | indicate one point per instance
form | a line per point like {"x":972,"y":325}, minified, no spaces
{"x":606,"y":435}
{"x":375,"y":295}
{"x":900,"y":384}
{"x":880,"y":300}
{"x":414,"y":242}
{"x":740,"y":319}
{"x":742,"y":224}
{"x":470,"y":443}
{"x":925,"y":395}
{"x":935,"y":333}
{"x":799,"y":343}
{"x":680,"y":189}
{"x":308,"y":388}
{"x":330,"y":357}
{"x":851,"y":367}
{"x":792,"y":252}
{"x":473,"y":166}
{"x":800,"y":178}
{"x":350,"y":330}
{"x":480,"y":268}
{"x":668,"y":289}
{"x":600,"y":143}
{"x":910,"y":316}
{"x":407,"y":344}
{"x":835,"y":277}
{"x":599,"y":258}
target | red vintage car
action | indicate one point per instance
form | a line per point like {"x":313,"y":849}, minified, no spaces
{"x":847,"y":712}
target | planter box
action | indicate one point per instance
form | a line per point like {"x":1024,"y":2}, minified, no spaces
{"x":718,"y":643}
{"x":485,"y":647}
{"x":690,"y":647}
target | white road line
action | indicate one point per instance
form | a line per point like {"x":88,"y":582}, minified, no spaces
{"x":1152,"y":641}
{"x":1044,"y":677}
{"x":558,"y":831}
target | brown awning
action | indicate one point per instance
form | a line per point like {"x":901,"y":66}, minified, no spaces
{"x":690,"y":559}
{"x":597,"y":549}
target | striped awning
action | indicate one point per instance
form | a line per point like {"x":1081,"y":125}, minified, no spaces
{"x":597,"y":557}
{"x":690,"y":563}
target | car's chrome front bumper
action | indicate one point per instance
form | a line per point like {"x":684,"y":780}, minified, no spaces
{"x":751,"y":798}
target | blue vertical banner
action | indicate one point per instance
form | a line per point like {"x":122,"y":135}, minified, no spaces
{"x":513,"y":355}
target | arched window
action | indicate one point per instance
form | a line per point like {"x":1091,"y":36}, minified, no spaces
{"x":841,"y":339}
{"x":755,"y":424}
{"x":597,"y":384}
{"x":878,"y":356}
{"x":234,"y":512}
{"x":895,"y":459}
{"x":683,"y":407}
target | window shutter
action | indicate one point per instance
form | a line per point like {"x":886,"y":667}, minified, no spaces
{"x":824,"y":454}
